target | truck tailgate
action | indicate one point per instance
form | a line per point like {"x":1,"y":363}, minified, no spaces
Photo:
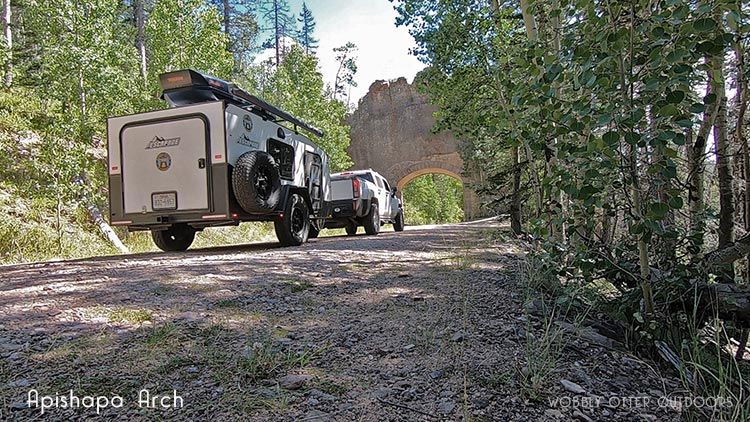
{"x":341,"y":189}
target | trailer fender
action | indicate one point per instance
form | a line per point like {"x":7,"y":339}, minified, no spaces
{"x":286,"y":193}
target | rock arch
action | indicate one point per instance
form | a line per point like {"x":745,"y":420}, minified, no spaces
{"x":392,"y":133}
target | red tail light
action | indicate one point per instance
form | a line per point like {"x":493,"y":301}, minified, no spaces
{"x":356,"y":187}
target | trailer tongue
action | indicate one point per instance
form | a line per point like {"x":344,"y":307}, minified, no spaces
{"x":219,"y":156}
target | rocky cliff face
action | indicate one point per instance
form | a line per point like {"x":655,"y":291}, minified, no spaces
{"x":392,"y":133}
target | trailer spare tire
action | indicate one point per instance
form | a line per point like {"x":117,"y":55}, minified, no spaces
{"x":256,"y":182}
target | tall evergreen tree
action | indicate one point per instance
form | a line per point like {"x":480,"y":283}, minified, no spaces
{"x":241,"y":28}
{"x":305,"y":37}
{"x":276,"y":13}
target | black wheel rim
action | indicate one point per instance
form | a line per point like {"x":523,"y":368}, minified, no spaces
{"x":263,"y":182}
{"x":298,"y":220}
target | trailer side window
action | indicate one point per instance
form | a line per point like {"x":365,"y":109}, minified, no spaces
{"x":284,"y":156}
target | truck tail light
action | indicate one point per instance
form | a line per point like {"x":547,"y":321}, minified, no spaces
{"x":356,"y":187}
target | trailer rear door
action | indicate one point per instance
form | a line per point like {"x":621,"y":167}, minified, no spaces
{"x":164,"y":165}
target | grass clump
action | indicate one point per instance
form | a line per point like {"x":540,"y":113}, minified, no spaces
{"x":264,"y":361}
{"x":299,"y":285}
{"x":130,"y":316}
{"x":161,"y":334}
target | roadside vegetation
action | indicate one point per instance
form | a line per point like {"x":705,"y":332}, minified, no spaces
{"x":434,"y":199}
{"x":614,"y":134}
{"x":67,"y":66}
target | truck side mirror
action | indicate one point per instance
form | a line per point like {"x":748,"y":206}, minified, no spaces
{"x":393,"y":191}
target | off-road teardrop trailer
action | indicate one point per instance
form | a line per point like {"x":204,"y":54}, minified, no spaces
{"x":219,"y":156}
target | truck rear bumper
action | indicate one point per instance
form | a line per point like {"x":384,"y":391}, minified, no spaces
{"x":343,"y":212}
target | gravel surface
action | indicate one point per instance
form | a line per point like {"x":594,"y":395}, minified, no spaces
{"x":432,"y":323}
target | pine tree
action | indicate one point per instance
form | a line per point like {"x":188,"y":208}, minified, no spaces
{"x":305,"y":36}
{"x":276,"y":12}
{"x":241,"y":28}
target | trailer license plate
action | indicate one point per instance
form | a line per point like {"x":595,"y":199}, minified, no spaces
{"x":164,"y":201}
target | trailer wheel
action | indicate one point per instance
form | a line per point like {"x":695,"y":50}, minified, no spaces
{"x":173,"y":239}
{"x":294,"y":227}
{"x":372,"y":220}
{"x":398,"y":223}
{"x":256,"y":182}
{"x":351,"y":229}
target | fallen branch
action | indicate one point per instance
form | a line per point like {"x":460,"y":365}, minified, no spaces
{"x":105,"y":228}
{"x":668,"y":355}
{"x":730,"y":302}
{"x":728,"y":254}
{"x":401,"y":406}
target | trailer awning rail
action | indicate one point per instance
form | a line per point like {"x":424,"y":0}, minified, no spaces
{"x":188,"y":86}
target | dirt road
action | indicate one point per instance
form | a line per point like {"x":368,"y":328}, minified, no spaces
{"x":426,"y":324}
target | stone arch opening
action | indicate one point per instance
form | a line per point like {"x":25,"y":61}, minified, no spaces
{"x":426,"y":168}
{"x":403,"y":181}
{"x":392,"y":133}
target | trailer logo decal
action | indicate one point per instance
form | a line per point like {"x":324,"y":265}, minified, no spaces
{"x":247,"y":122}
{"x":163,"y":161}
{"x":244,"y":140}
{"x":159,"y":142}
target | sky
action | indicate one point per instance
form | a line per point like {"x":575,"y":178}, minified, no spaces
{"x":370,"y":24}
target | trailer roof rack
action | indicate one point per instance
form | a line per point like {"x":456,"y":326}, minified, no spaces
{"x":188,"y":86}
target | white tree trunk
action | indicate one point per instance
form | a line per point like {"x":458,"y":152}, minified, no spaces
{"x":140,"y":40}
{"x":96,"y":217}
{"x":8,"y":33}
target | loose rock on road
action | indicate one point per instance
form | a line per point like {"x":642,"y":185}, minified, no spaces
{"x":427,"y":324}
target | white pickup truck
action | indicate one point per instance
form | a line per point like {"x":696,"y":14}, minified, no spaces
{"x":363,"y":198}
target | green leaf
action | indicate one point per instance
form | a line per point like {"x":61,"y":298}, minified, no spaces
{"x":675,"y":202}
{"x":611,"y":137}
{"x":696,"y":108}
{"x":586,"y":192}
{"x":686,"y":123}
{"x":658,"y":210}
{"x":704,"y":25}
{"x":632,"y":137}
{"x":675,"y":97}
{"x":636,"y":228}
{"x":668,"y":110}
{"x":604,"y":119}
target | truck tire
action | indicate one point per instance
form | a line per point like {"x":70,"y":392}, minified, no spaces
{"x":294,"y":227}
{"x":398,"y":222}
{"x":256,"y":182}
{"x":173,"y":239}
{"x":372,"y":220}
{"x":351,"y":229}
{"x":313,"y":233}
